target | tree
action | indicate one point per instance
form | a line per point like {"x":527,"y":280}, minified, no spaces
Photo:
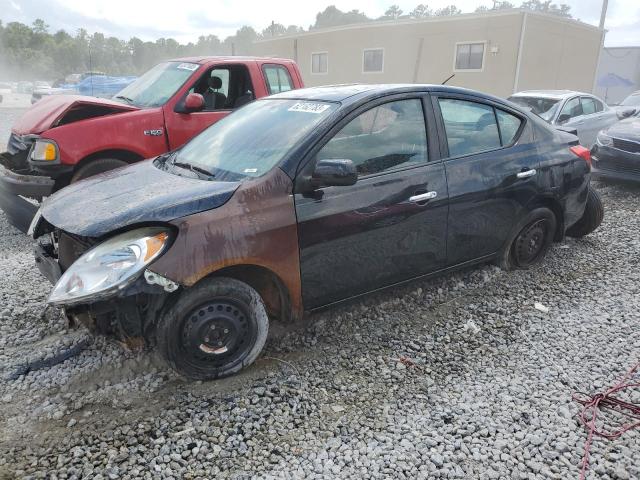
{"x":274,"y":30}
{"x":547,"y":6}
{"x":421,"y":11}
{"x":394,"y":11}
{"x":333,"y":17}
{"x":446,"y":11}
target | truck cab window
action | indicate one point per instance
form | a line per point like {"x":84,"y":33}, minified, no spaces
{"x":225,"y":87}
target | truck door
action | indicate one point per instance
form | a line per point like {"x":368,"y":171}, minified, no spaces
{"x":224,"y":88}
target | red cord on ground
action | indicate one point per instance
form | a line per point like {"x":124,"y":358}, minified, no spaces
{"x":589,"y":413}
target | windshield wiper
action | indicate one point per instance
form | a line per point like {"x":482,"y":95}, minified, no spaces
{"x":193,"y":168}
{"x":126,"y":99}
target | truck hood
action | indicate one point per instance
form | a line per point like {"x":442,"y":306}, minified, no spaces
{"x":131,"y":195}
{"x":628,"y":129}
{"x":56,"y":110}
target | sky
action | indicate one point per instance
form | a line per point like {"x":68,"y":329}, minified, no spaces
{"x":186,"y":20}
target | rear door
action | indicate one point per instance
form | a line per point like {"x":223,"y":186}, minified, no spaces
{"x":491,"y":166}
{"x":388,"y":227}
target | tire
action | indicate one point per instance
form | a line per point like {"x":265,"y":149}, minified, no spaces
{"x":591,"y":218}
{"x":94,"y":167}
{"x":214,"y":329}
{"x":531,"y":242}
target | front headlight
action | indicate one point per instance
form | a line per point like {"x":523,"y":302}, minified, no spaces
{"x":44,"y":151}
{"x":604,"y":139}
{"x":110,"y":266}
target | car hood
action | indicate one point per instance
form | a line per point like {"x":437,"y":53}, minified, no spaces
{"x":131,"y":195}
{"x":628,"y":129}
{"x":55,"y":110}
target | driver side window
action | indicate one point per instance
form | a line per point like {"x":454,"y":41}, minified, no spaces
{"x":224,"y":88}
{"x":389,"y":136}
{"x":571,"y":109}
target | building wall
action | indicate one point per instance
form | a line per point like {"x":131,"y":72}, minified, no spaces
{"x":405,"y":61}
{"x":624,"y":62}
{"x":558,"y":54}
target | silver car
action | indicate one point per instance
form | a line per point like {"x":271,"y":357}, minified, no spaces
{"x":583,"y":112}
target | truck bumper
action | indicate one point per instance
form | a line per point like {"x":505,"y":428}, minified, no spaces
{"x":13,"y":187}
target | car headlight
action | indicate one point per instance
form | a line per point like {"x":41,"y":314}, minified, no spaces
{"x":604,"y":139}
{"x":110,"y":266}
{"x":44,"y":151}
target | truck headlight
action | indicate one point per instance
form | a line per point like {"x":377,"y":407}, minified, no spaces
{"x":110,"y":266}
{"x":44,"y":151}
{"x":604,"y":139}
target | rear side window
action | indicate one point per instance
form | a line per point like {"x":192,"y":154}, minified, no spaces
{"x":278,"y":79}
{"x":470,"y":127}
{"x":588,"y":106}
{"x":390,"y":136}
{"x":509,"y":126}
{"x":572,"y":109}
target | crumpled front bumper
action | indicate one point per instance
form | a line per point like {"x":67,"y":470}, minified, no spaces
{"x":13,"y":187}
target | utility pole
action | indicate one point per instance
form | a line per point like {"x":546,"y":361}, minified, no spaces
{"x":603,"y":15}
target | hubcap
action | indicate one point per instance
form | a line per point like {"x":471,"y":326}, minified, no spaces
{"x":530,"y":242}
{"x":217,"y":333}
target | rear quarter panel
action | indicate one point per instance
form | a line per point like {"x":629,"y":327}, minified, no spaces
{"x":120,"y":131}
{"x":563,"y":176}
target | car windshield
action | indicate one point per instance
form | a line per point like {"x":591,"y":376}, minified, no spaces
{"x":631,"y":100}
{"x":252,"y":140}
{"x":157,"y":86}
{"x":543,"y":106}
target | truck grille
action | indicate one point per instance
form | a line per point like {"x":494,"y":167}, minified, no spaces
{"x":626,"y":145}
{"x":18,"y":149}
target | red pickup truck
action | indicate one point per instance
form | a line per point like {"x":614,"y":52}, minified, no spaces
{"x":66,"y":138}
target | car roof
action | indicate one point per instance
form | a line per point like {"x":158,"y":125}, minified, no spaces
{"x":350,"y":93}
{"x":229,"y":58}
{"x":555,"y":94}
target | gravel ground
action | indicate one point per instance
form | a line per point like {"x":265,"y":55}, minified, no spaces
{"x":458,"y":377}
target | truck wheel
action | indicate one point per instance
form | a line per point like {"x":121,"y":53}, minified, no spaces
{"x":529,"y":246}
{"x":214,"y":329}
{"x":97,"y":166}
{"x":591,"y":218}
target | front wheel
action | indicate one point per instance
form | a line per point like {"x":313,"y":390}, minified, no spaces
{"x":214,"y":329}
{"x":591,"y":218}
{"x":94,"y":167}
{"x":529,"y":246}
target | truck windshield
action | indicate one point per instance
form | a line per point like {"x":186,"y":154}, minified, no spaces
{"x":252,"y":140}
{"x":158,"y":85}
{"x":543,"y":106}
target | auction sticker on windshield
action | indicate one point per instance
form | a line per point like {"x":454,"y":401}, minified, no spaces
{"x":188,"y":66}
{"x":309,"y":107}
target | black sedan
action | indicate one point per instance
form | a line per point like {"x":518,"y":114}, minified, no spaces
{"x":616,"y":154}
{"x":304,"y":199}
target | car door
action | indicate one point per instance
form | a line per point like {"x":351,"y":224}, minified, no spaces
{"x":491,"y":166}
{"x":571,"y":116}
{"x":221,"y":87}
{"x":388,"y":227}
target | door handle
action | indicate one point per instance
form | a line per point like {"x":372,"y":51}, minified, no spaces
{"x":423,"y":197}
{"x":527,"y":173}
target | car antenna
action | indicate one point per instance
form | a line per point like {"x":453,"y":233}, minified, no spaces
{"x":449,"y":78}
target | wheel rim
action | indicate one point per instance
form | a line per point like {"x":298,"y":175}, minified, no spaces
{"x":531,"y":242}
{"x":217,"y":334}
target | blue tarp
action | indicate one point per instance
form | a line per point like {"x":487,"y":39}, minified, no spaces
{"x":103,"y":86}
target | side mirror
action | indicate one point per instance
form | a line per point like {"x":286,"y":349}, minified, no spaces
{"x":564,"y":118}
{"x":334,"y":173}
{"x":193,"y":103}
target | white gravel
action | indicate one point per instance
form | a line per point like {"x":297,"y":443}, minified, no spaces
{"x":463,"y":376}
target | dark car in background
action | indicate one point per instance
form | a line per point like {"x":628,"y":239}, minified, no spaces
{"x":301,"y":200}
{"x":616,"y":154}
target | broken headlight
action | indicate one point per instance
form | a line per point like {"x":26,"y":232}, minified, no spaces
{"x":110,"y":266}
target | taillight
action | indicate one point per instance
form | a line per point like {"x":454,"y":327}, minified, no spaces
{"x":582,"y":152}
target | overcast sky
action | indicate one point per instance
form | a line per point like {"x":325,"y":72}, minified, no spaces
{"x":185,"y":20}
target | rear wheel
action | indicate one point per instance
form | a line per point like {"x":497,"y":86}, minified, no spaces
{"x":214,"y":329}
{"x":529,"y":246}
{"x":94,"y":167}
{"x":591,"y":218}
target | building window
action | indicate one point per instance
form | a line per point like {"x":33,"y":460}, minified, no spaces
{"x":372,"y":60}
{"x":320,"y":62}
{"x":469,"y":56}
